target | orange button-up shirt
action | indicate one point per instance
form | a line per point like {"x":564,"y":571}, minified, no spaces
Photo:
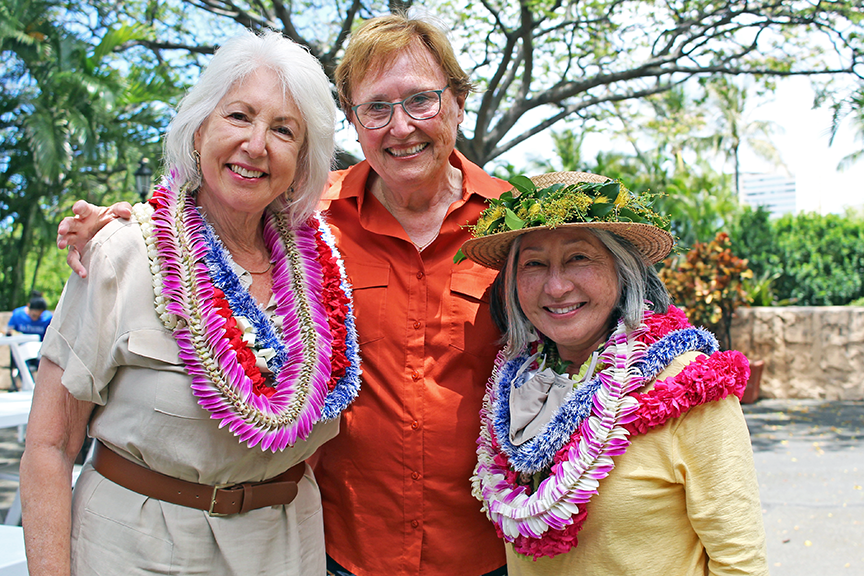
{"x":396,"y":480}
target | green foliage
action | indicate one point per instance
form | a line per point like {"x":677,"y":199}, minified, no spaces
{"x":823,"y":258}
{"x":709,"y":284}
{"x":760,"y":291}
{"x":75,"y":119}
{"x":46,"y":270}
{"x":815,"y":260}
{"x":753,"y":237}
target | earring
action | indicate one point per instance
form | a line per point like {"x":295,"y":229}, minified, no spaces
{"x":197,"y":156}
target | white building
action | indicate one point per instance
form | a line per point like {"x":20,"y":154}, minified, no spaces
{"x":774,"y":191}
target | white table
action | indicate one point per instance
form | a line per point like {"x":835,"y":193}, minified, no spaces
{"x":15,"y":344}
{"x":13,"y":560}
{"x":15,"y":408}
{"x":14,"y":411}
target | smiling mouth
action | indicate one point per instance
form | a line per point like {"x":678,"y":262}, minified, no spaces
{"x":407,"y":151}
{"x":564,"y":310}
{"x":239,"y":170}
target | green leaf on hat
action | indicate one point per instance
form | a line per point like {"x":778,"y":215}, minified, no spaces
{"x":550,"y":189}
{"x":626,"y":214}
{"x":600,"y":209}
{"x":610,"y":190}
{"x":513,"y":222}
{"x":459,"y":257}
{"x":523,"y":184}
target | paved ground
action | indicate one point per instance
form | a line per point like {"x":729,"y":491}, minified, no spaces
{"x":810,"y":463}
{"x":10,"y":455}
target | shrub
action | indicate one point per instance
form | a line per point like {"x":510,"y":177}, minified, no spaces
{"x":708,"y":284}
{"x":814,"y":260}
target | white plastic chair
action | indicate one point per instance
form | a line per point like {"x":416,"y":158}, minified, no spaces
{"x":26,"y":354}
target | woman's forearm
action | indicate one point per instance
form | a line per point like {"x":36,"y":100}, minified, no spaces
{"x":55,"y":434}
{"x":46,"y":501}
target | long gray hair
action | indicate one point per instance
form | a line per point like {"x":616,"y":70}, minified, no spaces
{"x":302,"y":79}
{"x":638,"y":283}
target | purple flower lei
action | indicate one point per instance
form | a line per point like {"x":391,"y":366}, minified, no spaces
{"x":188,"y":254}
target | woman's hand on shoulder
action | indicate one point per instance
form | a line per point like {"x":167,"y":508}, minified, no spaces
{"x":76,"y":231}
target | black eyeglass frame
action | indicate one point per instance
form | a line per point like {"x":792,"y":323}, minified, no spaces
{"x":392,"y":105}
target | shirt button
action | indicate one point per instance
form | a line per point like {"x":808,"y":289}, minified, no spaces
{"x":415,"y":425}
{"x":419,"y":275}
{"x":415,"y":523}
{"x":415,"y":376}
{"x":417,"y":325}
{"x":415,"y":475}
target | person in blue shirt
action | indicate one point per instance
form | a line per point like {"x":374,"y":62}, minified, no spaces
{"x":30,"y":319}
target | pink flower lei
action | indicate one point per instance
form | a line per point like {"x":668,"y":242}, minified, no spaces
{"x":546,"y":522}
{"x":317,"y":371}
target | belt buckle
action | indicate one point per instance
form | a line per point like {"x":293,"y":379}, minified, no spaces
{"x":216,"y":488}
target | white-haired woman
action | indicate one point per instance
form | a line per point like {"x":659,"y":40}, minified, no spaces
{"x":612,"y":441}
{"x":209,"y":352}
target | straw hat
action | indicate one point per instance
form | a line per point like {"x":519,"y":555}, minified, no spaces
{"x":567,"y":200}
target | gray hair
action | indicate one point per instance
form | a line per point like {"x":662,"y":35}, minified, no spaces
{"x":639,"y":288}
{"x":302,"y":79}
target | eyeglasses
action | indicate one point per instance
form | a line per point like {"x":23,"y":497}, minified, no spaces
{"x":420,"y":106}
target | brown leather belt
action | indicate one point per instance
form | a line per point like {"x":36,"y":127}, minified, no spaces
{"x":219,"y":500}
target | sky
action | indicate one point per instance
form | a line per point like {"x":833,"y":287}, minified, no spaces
{"x":803,"y":145}
{"x":802,"y":138}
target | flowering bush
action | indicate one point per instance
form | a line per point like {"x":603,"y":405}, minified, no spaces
{"x":708,"y":283}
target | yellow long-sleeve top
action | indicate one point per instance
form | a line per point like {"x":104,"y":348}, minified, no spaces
{"x":682,"y":501}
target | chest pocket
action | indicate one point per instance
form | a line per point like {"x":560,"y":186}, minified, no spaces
{"x":172,"y":393}
{"x":471,"y":326}
{"x":369,"y":284}
{"x":151,"y":348}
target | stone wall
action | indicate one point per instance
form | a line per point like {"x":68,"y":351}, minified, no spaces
{"x":809,"y":352}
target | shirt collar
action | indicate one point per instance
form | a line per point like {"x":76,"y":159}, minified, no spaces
{"x":351,"y":183}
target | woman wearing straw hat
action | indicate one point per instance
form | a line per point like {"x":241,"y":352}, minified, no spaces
{"x":612,"y":440}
